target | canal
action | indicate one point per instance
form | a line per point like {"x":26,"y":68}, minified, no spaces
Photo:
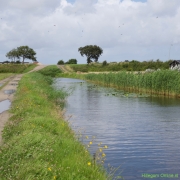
{"x":142,"y":133}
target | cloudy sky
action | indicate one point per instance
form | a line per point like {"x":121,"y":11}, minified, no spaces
{"x":124,"y":29}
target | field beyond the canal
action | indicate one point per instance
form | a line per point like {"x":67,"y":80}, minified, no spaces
{"x":38,"y":143}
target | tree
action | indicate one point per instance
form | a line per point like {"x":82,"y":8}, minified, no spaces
{"x":91,"y":52}
{"x":13,"y":55}
{"x":23,"y":51}
{"x":104,"y":63}
{"x":72,"y":61}
{"x":26,"y":53}
{"x":60,"y":62}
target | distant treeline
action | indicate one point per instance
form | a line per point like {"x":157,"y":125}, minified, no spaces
{"x":122,"y":66}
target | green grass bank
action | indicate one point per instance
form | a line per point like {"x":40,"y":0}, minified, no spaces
{"x":163,"y":82}
{"x":38,"y":143}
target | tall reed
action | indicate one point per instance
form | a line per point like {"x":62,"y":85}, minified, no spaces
{"x":164,"y":82}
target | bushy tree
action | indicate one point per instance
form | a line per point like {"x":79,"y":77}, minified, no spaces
{"x":23,"y":52}
{"x":26,"y":53}
{"x":72,"y":61}
{"x":91,"y":52}
{"x":60,"y":62}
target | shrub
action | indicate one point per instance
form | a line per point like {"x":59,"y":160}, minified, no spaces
{"x":52,"y":71}
{"x":72,"y":61}
{"x":60,"y":62}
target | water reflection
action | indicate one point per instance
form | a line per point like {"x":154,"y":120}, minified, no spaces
{"x":4,"y":105}
{"x":9,"y":91}
{"x":142,"y":133}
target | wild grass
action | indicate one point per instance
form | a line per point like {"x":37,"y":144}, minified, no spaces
{"x":163,"y":82}
{"x":5,"y":75}
{"x":16,"y":68}
{"x":38,"y":143}
{"x":51,"y":70}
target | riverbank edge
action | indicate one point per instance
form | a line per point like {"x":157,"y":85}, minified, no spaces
{"x":159,"y":92}
{"x":38,"y":142}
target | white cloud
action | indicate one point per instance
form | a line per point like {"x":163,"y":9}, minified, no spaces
{"x":124,"y":29}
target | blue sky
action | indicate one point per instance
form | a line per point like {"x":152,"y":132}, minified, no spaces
{"x":125,"y":30}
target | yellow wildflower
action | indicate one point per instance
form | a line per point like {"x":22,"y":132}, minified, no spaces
{"x":90,"y":142}
{"x":100,"y":149}
{"x":87,"y":137}
{"x":105,"y":147}
{"x":103,"y":155}
{"x":89,"y":163}
{"x":49,"y":169}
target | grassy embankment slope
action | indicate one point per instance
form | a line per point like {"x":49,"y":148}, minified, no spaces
{"x":16,"y":68}
{"x":38,"y":143}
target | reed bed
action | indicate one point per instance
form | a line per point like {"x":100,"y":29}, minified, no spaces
{"x":163,"y":82}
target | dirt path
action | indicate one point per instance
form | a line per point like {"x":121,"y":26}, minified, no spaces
{"x":10,"y":83}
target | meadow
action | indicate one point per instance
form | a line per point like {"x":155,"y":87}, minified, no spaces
{"x":38,"y":142}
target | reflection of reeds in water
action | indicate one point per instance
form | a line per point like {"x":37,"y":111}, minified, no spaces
{"x":163,"y":82}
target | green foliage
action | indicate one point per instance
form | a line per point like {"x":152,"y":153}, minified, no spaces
{"x":13,"y":55}
{"x":51,"y":70}
{"x":60,"y":62}
{"x":38,"y":143}
{"x":16,"y":68}
{"x":91,"y":52}
{"x":26,"y":53}
{"x":72,"y":61}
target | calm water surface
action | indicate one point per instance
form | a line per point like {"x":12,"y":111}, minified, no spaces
{"x":142,"y":133}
